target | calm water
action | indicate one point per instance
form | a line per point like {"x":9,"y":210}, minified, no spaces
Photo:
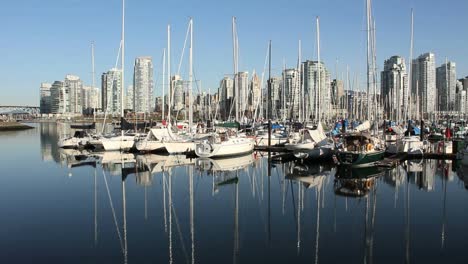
{"x":70,"y":207}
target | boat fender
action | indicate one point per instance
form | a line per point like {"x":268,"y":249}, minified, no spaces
{"x":369,"y":147}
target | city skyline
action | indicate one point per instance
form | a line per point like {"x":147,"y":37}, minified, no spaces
{"x":63,"y":48}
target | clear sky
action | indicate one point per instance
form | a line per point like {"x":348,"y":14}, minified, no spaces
{"x":43,"y":40}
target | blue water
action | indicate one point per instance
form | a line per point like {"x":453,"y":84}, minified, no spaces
{"x":52,"y":211}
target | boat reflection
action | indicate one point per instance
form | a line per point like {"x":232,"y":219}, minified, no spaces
{"x":356,"y":182}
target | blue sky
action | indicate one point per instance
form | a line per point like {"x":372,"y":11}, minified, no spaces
{"x":43,"y":40}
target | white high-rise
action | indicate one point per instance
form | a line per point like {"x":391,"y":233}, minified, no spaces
{"x":394,"y":86}
{"x":254,"y":93}
{"x":446,"y":80}
{"x":291,"y":93}
{"x":177,"y":93}
{"x":143,"y":99}
{"x":242,"y":82}
{"x":74,"y":85}
{"x":424,"y":82}
{"x":59,"y":98}
{"x":90,"y":98}
{"x":129,"y":99}
{"x":111,"y":89}
{"x":317,"y":88}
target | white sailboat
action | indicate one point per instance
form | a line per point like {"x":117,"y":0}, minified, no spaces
{"x":121,"y":142}
{"x":183,"y":144}
{"x":153,"y":141}
{"x":221,"y":145}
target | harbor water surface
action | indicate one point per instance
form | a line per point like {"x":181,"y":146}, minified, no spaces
{"x":67,"y":206}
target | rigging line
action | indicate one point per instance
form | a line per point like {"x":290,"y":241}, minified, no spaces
{"x":113,"y":211}
{"x":183,"y":49}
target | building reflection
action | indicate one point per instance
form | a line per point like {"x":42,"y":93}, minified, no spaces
{"x":245,"y":181}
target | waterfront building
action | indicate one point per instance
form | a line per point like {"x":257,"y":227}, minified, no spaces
{"x":317,"y":92}
{"x":242,"y":83}
{"x":158,"y":104}
{"x":394,"y":87}
{"x":143,"y":99}
{"x":446,"y":81}
{"x":423,"y":83}
{"x":338,"y":97}
{"x":275,"y":84}
{"x":226,"y":94}
{"x":177,"y":93}
{"x":129,"y":100}
{"x":291,"y":93}
{"x":254,"y":94}
{"x":460,"y":99}
{"x":45,"y":103}
{"x":111,"y":91}
{"x":59,"y":98}
{"x":465,"y":82}
{"x":74,"y":85}
{"x":90,"y":99}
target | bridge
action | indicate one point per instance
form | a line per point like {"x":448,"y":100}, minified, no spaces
{"x":16,"y":109}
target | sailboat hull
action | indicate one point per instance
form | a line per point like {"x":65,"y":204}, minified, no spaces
{"x":360,"y":159}
{"x":122,"y":143}
{"x":179,"y":147}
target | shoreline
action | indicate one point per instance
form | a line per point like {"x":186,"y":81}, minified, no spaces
{"x":11,"y":126}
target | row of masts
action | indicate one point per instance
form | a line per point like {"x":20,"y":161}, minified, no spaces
{"x":355,"y":106}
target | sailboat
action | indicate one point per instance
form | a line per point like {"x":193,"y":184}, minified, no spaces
{"x":121,"y":142}
{"x":223,"y":145}
{"x":177,"y":144}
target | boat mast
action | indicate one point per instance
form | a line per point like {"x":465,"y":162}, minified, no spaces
{"x":190,"y":76}
{"x":410,"y":77}
{"x":122,"y":62}
{"x":234,"y":53}
{"x":93,"y":76}
{"x":318,"y":69}
{"x":169,"y":73}
{"x":368,"y":2}
{"x":163,"y":83}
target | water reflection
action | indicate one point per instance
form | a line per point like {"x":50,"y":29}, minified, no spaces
{"x":177,"y":209}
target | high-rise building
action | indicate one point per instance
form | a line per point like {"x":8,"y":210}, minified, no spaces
{"x":129,"y":99}
{"x":394,"y":87}
{"x":423,"y":83}
{"x":74,"y":85}
{"x":177,"y":91}
{"x":59,"y":98}
{"x":338,"y":94}
{"x":460,"y":98}
{"x":291,"y":93}
{"x":89,"y":99}
{"x":254,"y":93}
{"x":465,"y":83}
{"x":143,"y":99}
{"x":45,"y":98}
{"x":275,"y":98}
{"x":242,"y":86}
{"x":317,"y":92}
{"x":226,"y":94}
{"x":446,"y":81}
{"x":111,"y":91}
